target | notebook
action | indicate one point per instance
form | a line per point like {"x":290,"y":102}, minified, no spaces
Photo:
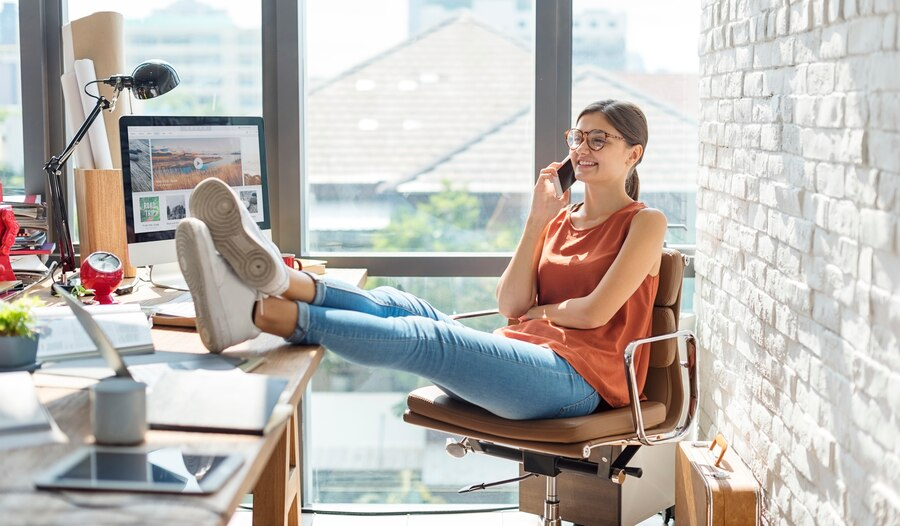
{"x":24,"y":421}
{"x":200,"y":400}
{"x":20,"y":409}
{"x":214,"y":401}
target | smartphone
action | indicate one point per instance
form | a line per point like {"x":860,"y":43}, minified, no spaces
{"x":566,"y":177}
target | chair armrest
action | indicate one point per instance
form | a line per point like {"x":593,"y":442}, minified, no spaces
{"x":690,"y":363}
{"x":474,"y":314}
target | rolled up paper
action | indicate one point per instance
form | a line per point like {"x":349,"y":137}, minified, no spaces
{"x":84,"y":158}
{"x":84,"y":72}
{"x":101,"y":37}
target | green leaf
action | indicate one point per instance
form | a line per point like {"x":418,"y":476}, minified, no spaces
{"x":17,"y":317}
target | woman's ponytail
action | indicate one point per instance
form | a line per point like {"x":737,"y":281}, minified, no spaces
{"x":633,"y":184}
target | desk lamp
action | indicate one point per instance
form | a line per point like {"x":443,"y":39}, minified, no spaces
{"x":150,"y":79}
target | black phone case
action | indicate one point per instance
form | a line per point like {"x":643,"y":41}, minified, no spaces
{"x":566,"y":174}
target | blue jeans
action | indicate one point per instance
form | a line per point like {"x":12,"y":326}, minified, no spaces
{"x":389,"y":328}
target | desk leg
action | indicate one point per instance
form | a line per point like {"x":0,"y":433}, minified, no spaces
{"x":276,"y":497}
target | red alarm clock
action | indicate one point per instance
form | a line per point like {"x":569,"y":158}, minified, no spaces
{"x":102,"y":272}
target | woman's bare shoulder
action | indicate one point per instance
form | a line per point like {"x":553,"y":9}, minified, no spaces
{"x":649,"y":219}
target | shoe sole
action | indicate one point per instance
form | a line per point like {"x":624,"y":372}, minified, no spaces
{"x":217,"y":206}
{"x":190,"y":244}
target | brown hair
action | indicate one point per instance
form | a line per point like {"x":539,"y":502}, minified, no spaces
{"x":631,"y":123}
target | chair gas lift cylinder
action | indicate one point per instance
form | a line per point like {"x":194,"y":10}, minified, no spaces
{"x":585,"y":460}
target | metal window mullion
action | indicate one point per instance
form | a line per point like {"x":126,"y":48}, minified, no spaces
{"x":552,"y":80}
{"x":40,"y":51}
{"x":426,"y":264}
{"x":283,"y":79}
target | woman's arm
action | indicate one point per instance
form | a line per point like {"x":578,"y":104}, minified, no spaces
{"x":517,"y":289}
{"x":639,"y":256}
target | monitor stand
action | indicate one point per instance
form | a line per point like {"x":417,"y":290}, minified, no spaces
{"x":167,"y":275}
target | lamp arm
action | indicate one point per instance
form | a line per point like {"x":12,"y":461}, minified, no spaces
{"x":53,"y":169}
{"x":57,"y":161}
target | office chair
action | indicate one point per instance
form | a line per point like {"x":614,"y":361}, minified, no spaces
{"x":586,"y":445}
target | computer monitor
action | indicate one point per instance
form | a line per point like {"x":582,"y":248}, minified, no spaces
{"x":163,"y":160}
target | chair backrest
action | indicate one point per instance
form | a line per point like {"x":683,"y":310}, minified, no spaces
{"x":664,"y":382}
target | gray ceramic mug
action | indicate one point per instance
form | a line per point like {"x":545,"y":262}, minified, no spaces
{"x":119,"y":412}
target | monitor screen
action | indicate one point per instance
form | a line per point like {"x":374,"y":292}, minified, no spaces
{"x":163,"y":160}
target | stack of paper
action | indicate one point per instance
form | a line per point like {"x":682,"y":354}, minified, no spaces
{"x":23,"y":420}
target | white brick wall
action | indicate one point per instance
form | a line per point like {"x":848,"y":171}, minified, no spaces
{"x":799,"y":251}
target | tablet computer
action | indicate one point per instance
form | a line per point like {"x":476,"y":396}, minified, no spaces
{"x":161,"y":470}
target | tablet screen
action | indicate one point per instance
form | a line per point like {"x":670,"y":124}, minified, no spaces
{"x":167,"y":470}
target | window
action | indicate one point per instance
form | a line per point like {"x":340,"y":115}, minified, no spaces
{"x":201,"y":40}
{"x":11,"y":144}
{"x":423,"y":132}
{"x":419,"y":139}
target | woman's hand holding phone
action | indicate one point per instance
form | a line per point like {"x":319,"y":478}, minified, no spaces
{"x":546,"y":202}
{"x":565,"y":177}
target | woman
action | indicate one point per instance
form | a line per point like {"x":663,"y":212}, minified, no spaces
{"x":581,"y":282}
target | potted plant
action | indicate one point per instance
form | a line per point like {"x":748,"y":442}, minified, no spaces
{"x":18,"y":334}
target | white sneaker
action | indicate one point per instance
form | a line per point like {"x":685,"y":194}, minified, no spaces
{"x":222,"y":301}
{"x":252,"y":256}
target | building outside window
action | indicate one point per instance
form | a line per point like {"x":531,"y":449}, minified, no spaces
{"x":216,"y":47}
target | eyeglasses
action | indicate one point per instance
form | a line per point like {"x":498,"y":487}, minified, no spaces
{"x":596,"y":139}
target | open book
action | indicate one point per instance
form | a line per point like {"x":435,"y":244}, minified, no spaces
{"x":62,"y":336}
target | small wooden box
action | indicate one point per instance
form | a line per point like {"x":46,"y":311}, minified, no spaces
{"x":101,"y":214}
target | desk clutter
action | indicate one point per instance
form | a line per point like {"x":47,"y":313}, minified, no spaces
{"x":259,"y":443}
{"x":192,"y":398}
{"x":31,"y":215}
{"x":24,"y":245}
{"x":111,"y":346}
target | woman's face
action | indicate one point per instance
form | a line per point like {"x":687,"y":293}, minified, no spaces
{"x":611,"y":162}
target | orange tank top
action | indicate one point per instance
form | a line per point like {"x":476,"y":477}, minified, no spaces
{"x":571,"y":265}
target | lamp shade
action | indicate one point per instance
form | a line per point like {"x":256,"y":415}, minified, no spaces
{"x":153,"y":78}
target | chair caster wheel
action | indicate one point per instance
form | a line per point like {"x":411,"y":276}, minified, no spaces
{"x":455,"y":449}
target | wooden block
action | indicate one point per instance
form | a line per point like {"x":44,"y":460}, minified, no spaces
{"x":101,"y":214}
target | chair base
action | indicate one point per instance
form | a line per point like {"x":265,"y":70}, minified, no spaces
{"x":590,"y":500}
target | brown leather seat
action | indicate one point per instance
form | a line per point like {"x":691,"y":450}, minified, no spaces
{"x":664,"y":415}
{"x":430,"y":407}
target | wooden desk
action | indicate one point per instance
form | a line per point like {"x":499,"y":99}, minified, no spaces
{"x":271,"y":470}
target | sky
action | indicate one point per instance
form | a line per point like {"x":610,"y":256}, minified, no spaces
{"x":656,"y":28}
